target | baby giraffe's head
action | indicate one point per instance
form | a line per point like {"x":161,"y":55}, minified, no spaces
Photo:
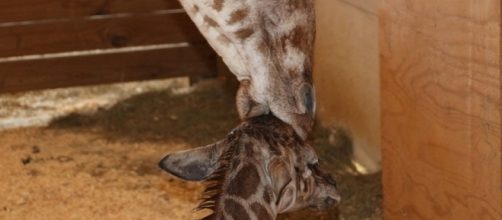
{"x":261,"y":169}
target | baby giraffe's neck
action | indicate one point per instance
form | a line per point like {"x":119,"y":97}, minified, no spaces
{"x":244,"y":194}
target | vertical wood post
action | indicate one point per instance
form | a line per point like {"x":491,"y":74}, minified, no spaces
{"x":441,"y":109}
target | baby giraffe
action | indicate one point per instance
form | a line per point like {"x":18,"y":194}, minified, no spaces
{"x":261,"y":169}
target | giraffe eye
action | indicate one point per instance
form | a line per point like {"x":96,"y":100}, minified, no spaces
{"x":313,"y":166}
{"x":310,"y":166}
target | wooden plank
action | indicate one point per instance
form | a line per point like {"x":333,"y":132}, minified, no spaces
{"x":107,"y":68}
{"x":441,"y":109}
{"x":100,"y":33}
{"x":30,"y":10}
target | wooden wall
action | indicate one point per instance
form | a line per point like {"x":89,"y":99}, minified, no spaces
{"x":53,"y":43}
{"x":441,"y":109}
{"x":346,"y":73}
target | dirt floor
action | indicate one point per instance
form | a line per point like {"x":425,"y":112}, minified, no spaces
{"x":101,"y":163}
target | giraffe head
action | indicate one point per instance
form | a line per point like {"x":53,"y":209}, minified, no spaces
{"x":268,"y":46}
{"x":278,"y":77}
{"x":261,"y":169}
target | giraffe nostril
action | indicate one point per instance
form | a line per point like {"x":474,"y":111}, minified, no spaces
{"x":329,"y":201}
{"x":332,"y":201}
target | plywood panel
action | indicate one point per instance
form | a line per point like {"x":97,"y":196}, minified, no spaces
{"x":346,"y":74}
{"x":36,"y":10}
{"x":441,"y":109}
{"x":364,"y":6}
{"x":107,"y":68}
{"x":85,"y":34}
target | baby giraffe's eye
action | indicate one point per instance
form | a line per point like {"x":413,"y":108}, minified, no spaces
{"x":313,"y":166}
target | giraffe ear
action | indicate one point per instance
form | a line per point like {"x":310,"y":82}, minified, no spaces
{"x":287,"y":197}
{"x":195,"y":164}
{"x":284,"y":186}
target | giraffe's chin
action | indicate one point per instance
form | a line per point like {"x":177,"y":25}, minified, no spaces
{"x":326,"y":204}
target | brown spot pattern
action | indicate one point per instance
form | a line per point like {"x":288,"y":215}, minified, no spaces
{"x":244,"y":33}
{"x":218,"y":4}
{"x":235,"y":210}
{"x":260,"y":212}
{"x":210,"y":21}
{"x":298,"y":38}
{"x":245,"y":183}
{"x":238,"y":15}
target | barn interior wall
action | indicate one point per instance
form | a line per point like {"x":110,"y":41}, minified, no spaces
{"x":346,"y":74}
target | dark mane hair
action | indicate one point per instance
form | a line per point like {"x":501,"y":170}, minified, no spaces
{"x":214,"y":183}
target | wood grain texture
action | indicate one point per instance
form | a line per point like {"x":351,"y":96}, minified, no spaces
{"x":107,"y":68}
{"x":33,"y":10}
{"x":441,"y":109}
{"x":97,"y":34}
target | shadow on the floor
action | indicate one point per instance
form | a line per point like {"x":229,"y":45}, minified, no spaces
{"x":196,"y":118}
{"x":208,"y":114}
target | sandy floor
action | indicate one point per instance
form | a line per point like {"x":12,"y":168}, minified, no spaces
{"x":101,"y":164}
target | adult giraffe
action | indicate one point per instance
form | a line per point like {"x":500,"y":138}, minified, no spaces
{"x":268,"y":46}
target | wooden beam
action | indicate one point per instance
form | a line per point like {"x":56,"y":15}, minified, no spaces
{"x":441,"y":109}
{"x":107,"y":68}
{"x":36,"y":10}
{"x":85,"y":34}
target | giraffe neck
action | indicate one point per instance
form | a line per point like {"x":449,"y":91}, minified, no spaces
{"x":246,"y":196}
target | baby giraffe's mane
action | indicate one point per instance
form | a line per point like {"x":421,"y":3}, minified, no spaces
{"x":214,"y":183}
{"x":267,"y":130}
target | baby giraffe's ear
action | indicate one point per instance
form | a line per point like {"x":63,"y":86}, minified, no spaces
{"x":287,"y":198}
{"x":195,"y":164}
